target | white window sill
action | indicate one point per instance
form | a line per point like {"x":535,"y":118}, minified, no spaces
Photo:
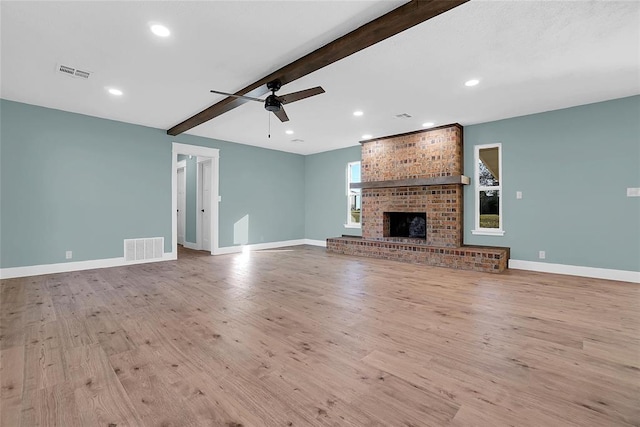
{"x":488,"y":232}
{"x":352,"y":226}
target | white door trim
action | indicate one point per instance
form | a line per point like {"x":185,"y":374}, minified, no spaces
{"x":214,"y":155}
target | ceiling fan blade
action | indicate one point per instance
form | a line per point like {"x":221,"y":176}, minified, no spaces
{"x":297,"y":96}
{"x":237,"y":96}
{"x":282,"y":115}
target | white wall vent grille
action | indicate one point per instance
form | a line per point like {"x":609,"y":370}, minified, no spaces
{"x":73,"y":72}
{"x":143,"y":249}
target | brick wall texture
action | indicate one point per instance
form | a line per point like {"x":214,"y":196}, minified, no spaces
{"x":441,"y":203}
{"x":485,"y":259}
{"x":429,"y":154}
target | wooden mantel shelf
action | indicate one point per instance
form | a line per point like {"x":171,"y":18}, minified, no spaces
{"x":414,"y":182}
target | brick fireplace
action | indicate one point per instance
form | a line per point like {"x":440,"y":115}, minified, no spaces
{"x":412,"y":206}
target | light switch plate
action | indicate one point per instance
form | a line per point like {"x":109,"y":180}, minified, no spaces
{"x":633,"y":192}
{"x":68,"y":254}
{"x":518,"y":194}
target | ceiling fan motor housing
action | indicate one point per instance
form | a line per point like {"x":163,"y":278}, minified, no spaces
{"x":274,"y":85}
{"x":272,"y":103}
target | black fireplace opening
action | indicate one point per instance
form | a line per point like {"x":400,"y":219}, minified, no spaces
{"x":408,"y":224}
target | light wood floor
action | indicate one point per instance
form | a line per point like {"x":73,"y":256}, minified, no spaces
{"x":300,"y":337}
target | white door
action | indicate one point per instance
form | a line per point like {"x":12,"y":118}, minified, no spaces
{"x":205,"y":210}
{"x":182,"y":204}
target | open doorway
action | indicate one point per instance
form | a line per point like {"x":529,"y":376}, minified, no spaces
{"x":206,"y":191}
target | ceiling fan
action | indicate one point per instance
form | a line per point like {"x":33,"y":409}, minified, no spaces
{"x":275,"y":102}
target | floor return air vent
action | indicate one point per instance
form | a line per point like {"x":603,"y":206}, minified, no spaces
{"x":143,"y":249}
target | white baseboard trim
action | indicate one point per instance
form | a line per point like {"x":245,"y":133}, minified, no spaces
{"x":259,"y":246}
{"x":65,"y":267}
{"x":576,"y":270}
{"x":193,"y":246}
{"x":312,"y":242}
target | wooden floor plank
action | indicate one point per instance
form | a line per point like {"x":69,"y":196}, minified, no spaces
{"x":51,"y":406}
{"x":11,"y":372}
{"x":302,"y":337}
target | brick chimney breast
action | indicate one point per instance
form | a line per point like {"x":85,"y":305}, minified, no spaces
{"x":431,"y":153}
{"x":416,"y":179}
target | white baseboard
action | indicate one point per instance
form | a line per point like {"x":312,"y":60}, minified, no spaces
{"x":576,"y":270}
{"x":37,"y":270}
{"x":193,"y":246}
{"x":312,"y":242}
{"x":259,"y":246}
{"x":65,"y":267}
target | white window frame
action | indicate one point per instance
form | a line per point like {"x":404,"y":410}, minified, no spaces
{"x":349,"y":223}
{"x":478,"y":188}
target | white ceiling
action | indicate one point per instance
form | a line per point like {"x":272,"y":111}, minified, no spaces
{"x":530,"y":56}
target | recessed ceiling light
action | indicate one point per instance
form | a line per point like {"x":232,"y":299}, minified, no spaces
{"x":427,"y":124}
{"x":114,"y":91}
{"x":471,"y":82}
{"x":160,"y":30}
{"x":366,"y":136}
{"x":358,"y":113}
{"x":288,"y":132}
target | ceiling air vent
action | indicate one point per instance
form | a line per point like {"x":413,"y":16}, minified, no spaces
{"x":73,"y":72}
{"x":402,"y":116}
{"x":83,"y":74}
{"x":297,"y":140}
{"x":66,"y":70}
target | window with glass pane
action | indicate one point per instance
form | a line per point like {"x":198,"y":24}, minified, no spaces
{"x":488,"y":183}
{"x":354,"y":195}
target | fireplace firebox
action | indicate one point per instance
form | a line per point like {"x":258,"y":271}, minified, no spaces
{"x":406,"y":224}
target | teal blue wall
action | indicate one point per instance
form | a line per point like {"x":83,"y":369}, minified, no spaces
{"x":80,"y":183}
{"x":326,"y":193}
{"x":191,"y":175}
{"x":73,"y":182}
{"x":573,"y":167}
{"x":191,"y":196}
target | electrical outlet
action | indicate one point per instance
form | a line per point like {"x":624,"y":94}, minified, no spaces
{"x":518,"y":194}
{"x":542,"y":255}
{"x":633,"y":192}
{"x":69,"y":254}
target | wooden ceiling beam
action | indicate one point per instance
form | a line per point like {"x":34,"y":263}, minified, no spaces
{"x":388,"y":25}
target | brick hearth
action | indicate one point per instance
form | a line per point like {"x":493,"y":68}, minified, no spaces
{"x":478,"y":258}
{"x":418,"y":172}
